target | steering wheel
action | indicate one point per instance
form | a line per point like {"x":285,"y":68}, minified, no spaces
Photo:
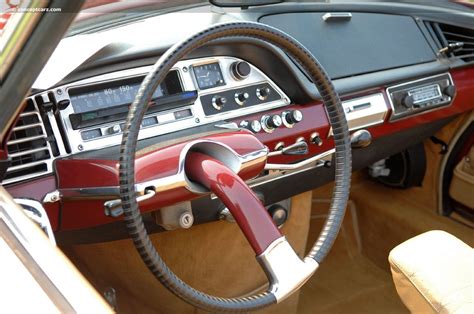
{"x":286,"y":272}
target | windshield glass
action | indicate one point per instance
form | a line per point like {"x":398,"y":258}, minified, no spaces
{"x":106,"y":13}
{"x":96,"y":14}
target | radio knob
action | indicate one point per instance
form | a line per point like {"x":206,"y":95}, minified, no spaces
{"x":240,"y":70}
{"x":408,"y":101}
{"x":241,"y":98}
{"x":292,"y":116}
{"x":218,"y":102}
{"x":450,"y":90}
{"x":262,"y":93}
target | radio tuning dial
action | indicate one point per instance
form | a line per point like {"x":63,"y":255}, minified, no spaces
{"x":450,"y":90}
{"x":408,"y":101}
{"x":240,"y":70}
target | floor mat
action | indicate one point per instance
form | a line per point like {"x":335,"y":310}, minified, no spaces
{"x":347,"y":281}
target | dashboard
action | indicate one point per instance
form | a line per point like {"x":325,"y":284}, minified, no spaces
{"x":398,"y":89}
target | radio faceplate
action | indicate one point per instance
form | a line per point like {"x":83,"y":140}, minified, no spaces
{"x":169,"y":114}
{"x":421,"y":95}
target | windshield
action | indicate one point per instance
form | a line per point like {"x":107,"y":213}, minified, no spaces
{"x":106,"y":13}
{"x":96,"y":14}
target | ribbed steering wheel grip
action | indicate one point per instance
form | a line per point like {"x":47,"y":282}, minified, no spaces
{"x":138,"y":108}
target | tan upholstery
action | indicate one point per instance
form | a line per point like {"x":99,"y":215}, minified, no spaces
{"x":462,"y":183}
{"x":433,"y":273}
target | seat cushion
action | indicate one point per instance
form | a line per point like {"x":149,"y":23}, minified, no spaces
{"x":434,"y":273}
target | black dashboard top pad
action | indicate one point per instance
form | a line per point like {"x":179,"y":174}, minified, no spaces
{"x":362,"y":44}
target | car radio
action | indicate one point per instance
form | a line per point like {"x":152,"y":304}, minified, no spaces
{"x":421,"y":95}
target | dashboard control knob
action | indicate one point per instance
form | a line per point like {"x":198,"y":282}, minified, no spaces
{"x":278,"y":213}
{"x":408,"y":101}
{"x":218,"y":102}
{"x":253,"y":125}
{"x":361,"y":139}
{"x":114,"y":129}
{"x":270,"y":123}
{"x":450,"y":90}
{"x":316,"y":139}
{"x":262,"y":93}
{"x":291,"y":117}
{"x":240,"y":70}
{"x":241,"y":98}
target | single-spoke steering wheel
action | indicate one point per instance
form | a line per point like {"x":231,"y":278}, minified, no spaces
{"x":285,"y":270}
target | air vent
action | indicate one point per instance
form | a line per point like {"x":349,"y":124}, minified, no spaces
{"x":458,"y":42}
{"x":28,"y":148}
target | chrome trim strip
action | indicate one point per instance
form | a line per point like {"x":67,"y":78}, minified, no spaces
{"x":26,"y":139}
{"x":42,"y":219}
{"x":330,"y":16}
{"x":27,"y":126}
{"x":285,"y":271}
{"x":29,"y":151}
{"x":300,"y":164}
{"x":373,"y":114}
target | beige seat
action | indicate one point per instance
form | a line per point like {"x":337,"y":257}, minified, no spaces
{"x":434,"y":273}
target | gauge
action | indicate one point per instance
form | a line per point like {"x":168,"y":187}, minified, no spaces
{"x":208,"y":75}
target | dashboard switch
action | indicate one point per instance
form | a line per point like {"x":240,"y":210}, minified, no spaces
{"x":316,"y":139}
{"x":253,"y":125}
{"x":270,"y":123}
{"x":262,"y":93}
{"x":291,"y":117}
{"x":240,"y":70}
{"x":218,"y":102}
{"x":113,"y":129}
{"x":241,"y":98}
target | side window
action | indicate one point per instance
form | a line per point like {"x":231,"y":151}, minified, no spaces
{"x":17,"y":20}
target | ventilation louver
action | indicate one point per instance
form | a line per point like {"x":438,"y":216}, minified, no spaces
{"x":27,"y":147}
{"x":455,"y":36}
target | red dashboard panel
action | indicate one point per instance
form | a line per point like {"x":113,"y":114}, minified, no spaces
{"x":73,"y":173}
{"x":104,"y":173}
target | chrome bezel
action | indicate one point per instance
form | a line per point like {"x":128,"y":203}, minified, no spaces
{"x":400,"y":116}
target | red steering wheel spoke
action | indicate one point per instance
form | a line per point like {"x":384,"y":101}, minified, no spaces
{"x":285,"y":270}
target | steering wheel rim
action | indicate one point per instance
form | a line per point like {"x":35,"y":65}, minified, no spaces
{"x":343,"y":164}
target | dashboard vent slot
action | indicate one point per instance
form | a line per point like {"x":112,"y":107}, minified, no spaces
{"x":28,"y":147}
{"x":460,"y":37}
